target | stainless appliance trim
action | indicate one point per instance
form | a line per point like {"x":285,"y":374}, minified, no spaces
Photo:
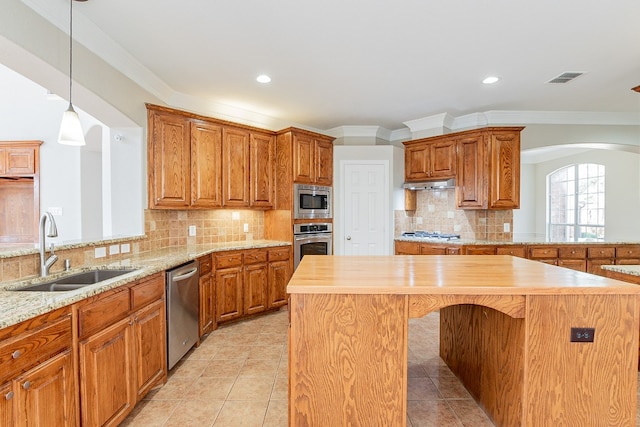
{"x":302,"y":213}
{"x":183,"y":310}
{"x":311,"y":233}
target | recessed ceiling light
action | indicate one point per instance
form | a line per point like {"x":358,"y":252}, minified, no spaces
{"x":263,"y":78}
{"x":490,"y":80}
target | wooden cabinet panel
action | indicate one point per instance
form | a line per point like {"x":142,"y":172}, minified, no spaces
{"x":426,"y":249}
{"x":629,"y":251}
{"x":574,"y":264}
{"x":407,"y":248}
{"x":255,"y":256}
{"x":45,"y":394}
{"x":572,"y":252}
{"x":262,"y":156}
{"x":279,"y":275}
{"x":147,"y":291}
{"x":480,"y":250}
{"x":280,"y":254}
{"x":543,"y":252}
{"x":453,"y":251}
{"x":150,"y":343}
{"x":20,"y":161}
{"x":107,"y":384}
{"x":228,"y":259}
{"x":206,"y":164}
{"x":229,"y":299}
{"x":103,"y":311}
{"x":169,"y":161}
{"x":504,"y":170}
{"x":207,"y":310}
{"x":519,"y":251}
{"x":7,"y":400}
{"x":428,"y":160}
{"x":601,"y":252}
{"x":594,"y":265}
{"x":324,"y":162}
{"x":235,"y":164}
{"x":416,"y":162}
{"x":470,"y":182}
{"x":627,"y":261}
{"x":303,"y":159}
{"x":442,"y":158}
{"x":255,"y":288}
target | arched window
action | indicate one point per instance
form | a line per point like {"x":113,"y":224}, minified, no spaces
{"x":575,"y":203}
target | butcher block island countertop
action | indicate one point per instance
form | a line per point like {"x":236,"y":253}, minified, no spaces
{"x":506,"y":330}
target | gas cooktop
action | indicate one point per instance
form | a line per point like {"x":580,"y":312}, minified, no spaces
{"x":430,"y":235}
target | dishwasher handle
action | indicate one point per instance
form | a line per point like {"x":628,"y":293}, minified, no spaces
{"x":185,"y":275}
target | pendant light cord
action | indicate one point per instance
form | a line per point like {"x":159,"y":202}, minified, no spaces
{"x":70,"y":47}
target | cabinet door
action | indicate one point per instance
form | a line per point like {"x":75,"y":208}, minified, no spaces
{"x":169,"y":161}
{"x":407,"y":248}
{"x":256,"y":277}
{"x":150,"y":346}
{"x":262,"y":158}
{"x":7,"y":401}
{"x":228,"y":294}
{"x":206,"y":305}
{"x":235,"y":163}
{"x":303,"y":159}
{"x":443,"y":159}
{"x":206,"y":165}
{"x":107,"y":384}
{"x":504,"y":169}
{"x":324,"y":162}
{"x":20,"y":161}
{"x":279,"y":275}
{"x":470,"y":182}
{"x":416,"y":162}
{"x":46,"y":394}
{"x":432,"y":249}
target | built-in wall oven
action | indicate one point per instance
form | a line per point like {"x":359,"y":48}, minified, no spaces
{"x":311,"y":201}
{"x":311,"y":239}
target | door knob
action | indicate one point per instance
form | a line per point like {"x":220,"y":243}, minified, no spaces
{"x":348,"y":237}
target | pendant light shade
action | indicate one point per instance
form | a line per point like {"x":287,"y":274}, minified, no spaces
{"x":70,"y":128}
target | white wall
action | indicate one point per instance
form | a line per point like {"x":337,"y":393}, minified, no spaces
{"x":395,"y":157}
{"x":622,"y":191}
{"x":524,"y":219}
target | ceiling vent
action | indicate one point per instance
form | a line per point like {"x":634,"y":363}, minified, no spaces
{"x":565,"y":77}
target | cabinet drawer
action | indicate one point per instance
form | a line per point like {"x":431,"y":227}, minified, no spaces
{"x":281,"y":254}
{"x":147,"y":291}
{"x":255,"y":256}
{"x":574,"y":264}
{"x":20,"y":353}
{"x":230,"y":259}
{"x":103,"y":312}
{"x":628,"y":252}
{"x":453,"y":251}
{"x":572,"y":253}
{"x":543,"y":253}
{"x":205,"y":265}
{"x":518,"y":251}
{"x":481,"y":250}
{"x":602,"y":252}
{"x":628,"y":261}
{"x":432,"y":250}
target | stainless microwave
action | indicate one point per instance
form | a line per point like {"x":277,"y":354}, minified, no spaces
{"x":311,"y":201}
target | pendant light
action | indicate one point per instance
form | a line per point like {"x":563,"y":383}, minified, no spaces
{"x":70,"y":129}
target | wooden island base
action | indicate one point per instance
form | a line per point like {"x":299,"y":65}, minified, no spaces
{"x":505,"y":335}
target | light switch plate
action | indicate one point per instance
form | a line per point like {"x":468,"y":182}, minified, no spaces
{"x":507,"y":227}
{"x":192,"y":230}
{"x":245,"y":228}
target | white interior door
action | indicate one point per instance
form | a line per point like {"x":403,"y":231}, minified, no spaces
{"x":366,"y":207}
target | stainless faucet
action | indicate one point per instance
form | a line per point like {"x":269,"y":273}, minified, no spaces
{"x":52,"y":231}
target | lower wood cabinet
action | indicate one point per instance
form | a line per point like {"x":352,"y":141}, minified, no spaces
{"x":123,"y":355}
{"x":37,"y":374}
{"x":206,"y":322}
{"x":250,"y":282}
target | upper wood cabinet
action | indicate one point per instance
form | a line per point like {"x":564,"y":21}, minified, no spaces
{"x":19,"y":158}
{"x":199,"y":162}
{"x":488,"y":175}
{"x":428,"y":159}
{"x":312,"y":157}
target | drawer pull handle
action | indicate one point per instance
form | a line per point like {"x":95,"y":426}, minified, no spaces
{"x":8,"y":396}
{"x":16,"y":354}
{"x":26,"y":385}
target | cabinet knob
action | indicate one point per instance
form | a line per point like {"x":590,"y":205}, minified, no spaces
{"x":26,"y":385}
{"x":8,"y":396}
{"x":348,"y":237}
{"x":16,"y":354}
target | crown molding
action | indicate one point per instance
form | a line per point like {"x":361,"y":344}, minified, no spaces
{"x":360,"y":131}
{"x":442,"y":120}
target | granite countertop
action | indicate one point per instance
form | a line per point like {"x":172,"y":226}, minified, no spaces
{"x":471,"y":242}
{"x":633,"y":270}
{"x":16,"y":307}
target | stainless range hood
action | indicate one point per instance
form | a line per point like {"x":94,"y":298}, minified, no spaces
{"x":430,"y":185}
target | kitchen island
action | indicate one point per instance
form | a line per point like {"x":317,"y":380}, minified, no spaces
{"x":506,"y":332}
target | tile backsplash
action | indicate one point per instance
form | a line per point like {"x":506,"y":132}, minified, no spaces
{"x":436,"y":211}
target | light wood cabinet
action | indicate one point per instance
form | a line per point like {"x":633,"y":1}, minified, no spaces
{"x":279,"y":275}
{"x":122,"y":349}
{"x":312,"y":157}
{"x":206,"y":164}
{"x":488,"y":175}
{"x":256,"y":277}
{"x":36,"y":372}
{"x":235,"y":160}
{"x":20,"y":192}
{"x":429,"y":158}
{"x":207,"y":298}
{"x":229,"y":283}
{"x":262,"y":153}
{"x":425,"y":248}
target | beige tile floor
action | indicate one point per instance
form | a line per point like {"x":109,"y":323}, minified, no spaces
{"x":238,"y":377}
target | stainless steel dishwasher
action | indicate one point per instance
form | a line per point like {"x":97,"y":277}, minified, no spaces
{"x":182,"y":311}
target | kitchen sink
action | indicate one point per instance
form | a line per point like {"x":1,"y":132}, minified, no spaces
{"x":75,"y":281}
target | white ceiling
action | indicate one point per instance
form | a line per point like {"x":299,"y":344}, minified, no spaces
{"x":369,"y":63}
